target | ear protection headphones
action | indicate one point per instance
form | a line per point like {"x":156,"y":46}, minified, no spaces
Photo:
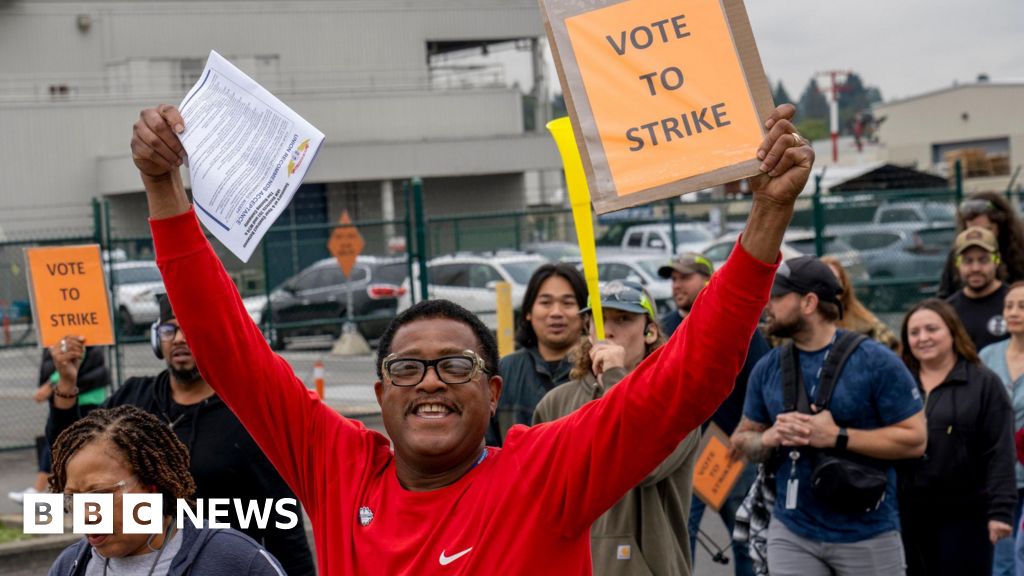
{"x":154,"y":341}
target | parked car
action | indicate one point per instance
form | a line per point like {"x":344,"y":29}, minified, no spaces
{"x":916,"y":212}
{"x":315,"y":301}
{"x":804,"y":242}
{"x":470,"y":279}
{"x":718,"y":252}
{"x":135,"y":284}
{"x":689,"y":238}
{"x":554,"y":251}
{"x":904,"y":263}
{"x":617,"y":264}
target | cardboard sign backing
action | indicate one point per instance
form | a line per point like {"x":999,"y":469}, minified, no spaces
{"x":666,"y":96}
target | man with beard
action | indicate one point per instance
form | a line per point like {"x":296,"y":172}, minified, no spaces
{"x":690,"y":272}
{"x":549,"y":327}
{"x":980,"y":302}
{"x":225,"y":462}
{"x":874,"y":417}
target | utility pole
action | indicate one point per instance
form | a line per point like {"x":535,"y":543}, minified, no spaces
{"x":837,"y":78}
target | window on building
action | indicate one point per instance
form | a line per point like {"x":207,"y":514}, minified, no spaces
{"x":979,"y":158}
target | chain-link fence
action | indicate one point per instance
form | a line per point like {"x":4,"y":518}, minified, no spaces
{"x":893,"y":243}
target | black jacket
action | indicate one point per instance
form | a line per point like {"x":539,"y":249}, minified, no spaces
{"x":969,"y":464}
{"x":225,"y":461}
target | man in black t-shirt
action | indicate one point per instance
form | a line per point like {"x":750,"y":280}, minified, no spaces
{"x":980,"y":302}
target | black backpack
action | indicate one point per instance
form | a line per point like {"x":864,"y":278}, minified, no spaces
{"x":843,"y":481}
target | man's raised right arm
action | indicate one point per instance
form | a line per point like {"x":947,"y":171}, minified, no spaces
{"x":288,"y":422}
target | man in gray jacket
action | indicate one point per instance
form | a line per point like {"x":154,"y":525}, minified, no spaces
{"x":645,"y":533}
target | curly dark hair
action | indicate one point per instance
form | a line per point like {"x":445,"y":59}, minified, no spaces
{"x":148,"y":447}
{"x":1011,"y":231}
{"x":525,"y":335}
{"x":427,"y":309}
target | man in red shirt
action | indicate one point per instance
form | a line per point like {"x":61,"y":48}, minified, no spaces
{"x":442,"y":502}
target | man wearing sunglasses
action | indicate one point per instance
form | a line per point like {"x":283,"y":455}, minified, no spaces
{"x":224,"y":460}
{"x":980,"y":302}
{"x":440,"y":501}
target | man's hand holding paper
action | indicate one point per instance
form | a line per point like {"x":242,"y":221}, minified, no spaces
{"x":247,"y":153}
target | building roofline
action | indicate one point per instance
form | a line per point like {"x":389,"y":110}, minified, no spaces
{"x":955,"y":87}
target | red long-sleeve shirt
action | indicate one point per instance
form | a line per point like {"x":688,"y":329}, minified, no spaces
{"x":527,"y":508}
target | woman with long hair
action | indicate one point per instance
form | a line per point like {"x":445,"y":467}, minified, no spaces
{"x":125,"y":450}
{"x":1006,"y":359}
{"x":856,"y":317}
{"x":958,"y":500}
{"x":991,"y":211}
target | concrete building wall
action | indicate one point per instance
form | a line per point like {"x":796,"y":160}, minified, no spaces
{"x":74,"y":75}
{"x":962,"y":114}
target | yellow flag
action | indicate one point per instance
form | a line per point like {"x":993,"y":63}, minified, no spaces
{"x":579,"y":198}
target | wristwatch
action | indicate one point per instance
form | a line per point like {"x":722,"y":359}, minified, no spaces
{"x":842,"y":439}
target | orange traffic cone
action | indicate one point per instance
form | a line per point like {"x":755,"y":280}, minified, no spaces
{"x":318,"y":378}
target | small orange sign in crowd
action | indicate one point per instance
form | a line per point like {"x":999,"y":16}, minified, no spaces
{"x":69,"y":294}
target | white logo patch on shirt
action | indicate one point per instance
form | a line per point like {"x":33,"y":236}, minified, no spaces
{"x":365,"y":515}
{"x":624,"y":552}
{"x":446,"y":560}
{"x":997,"y":326}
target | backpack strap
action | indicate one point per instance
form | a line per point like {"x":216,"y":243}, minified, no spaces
{"x":841,"y":351}
{"x":794,"y":395}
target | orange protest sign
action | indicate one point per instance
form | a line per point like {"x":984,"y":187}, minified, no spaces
{"x":69,"y":294}
{"x":715,"y":473}
{"x":666,"y":97}
{"x":345,"y":244}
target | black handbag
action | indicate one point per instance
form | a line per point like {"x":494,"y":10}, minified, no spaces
{"x":843,"y":481}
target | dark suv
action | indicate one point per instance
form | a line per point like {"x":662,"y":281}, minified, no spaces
{"x":314,"y":301}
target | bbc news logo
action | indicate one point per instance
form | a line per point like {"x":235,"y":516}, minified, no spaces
{"x":143,"y":513}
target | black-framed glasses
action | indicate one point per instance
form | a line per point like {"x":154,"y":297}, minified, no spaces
{"x":456,"y":369}
{"x":69,"y":498}
{"x":167,"y":332}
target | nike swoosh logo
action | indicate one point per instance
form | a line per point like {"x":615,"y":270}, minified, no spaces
{"x":446,"y":560}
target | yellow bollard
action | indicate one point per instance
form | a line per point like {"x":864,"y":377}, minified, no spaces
{"x":579,"y":198}
{"x":506,"y":329}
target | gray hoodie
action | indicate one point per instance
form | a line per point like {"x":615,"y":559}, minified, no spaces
{"x":210,"y":552}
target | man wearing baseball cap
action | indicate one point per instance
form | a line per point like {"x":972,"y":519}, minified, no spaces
{"x":689,"y":273}
{"x":642,"y":533}
{"x":873,"y":417}
{"x":979,"y":303}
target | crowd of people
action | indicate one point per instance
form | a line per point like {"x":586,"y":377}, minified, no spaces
{"x":863,"y":451}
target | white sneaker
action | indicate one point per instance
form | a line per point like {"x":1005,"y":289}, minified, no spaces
{"x":19,"y":497}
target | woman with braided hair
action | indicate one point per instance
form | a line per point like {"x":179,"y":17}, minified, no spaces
{"x":126,"y":450}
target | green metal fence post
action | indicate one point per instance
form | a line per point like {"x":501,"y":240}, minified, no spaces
{"x":407,"y":192}
{"x":421,"y":236}
{"x":456,"y":233}
{"x":517,"y":231}
{"x":672,"y":226}
{"x":118,"y":348}
{"x":959,"y":171}
{"x":97,"y":223}
{"x":819,"y":218}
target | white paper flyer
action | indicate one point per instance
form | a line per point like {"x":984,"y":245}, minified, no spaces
{"x":247,"y":154}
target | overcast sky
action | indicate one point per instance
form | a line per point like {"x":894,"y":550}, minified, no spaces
{"x":903,"y":47}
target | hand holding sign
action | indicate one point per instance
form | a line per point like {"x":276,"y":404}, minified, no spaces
{"x":67,"y":357}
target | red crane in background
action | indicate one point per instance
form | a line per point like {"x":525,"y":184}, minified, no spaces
{"x":837,"y":79}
